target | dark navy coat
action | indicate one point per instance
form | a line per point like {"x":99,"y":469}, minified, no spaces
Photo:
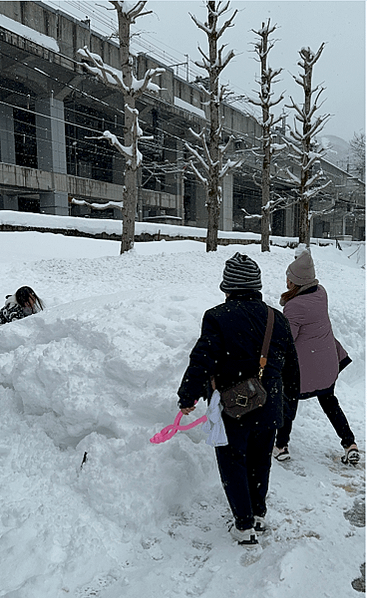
{"x":229,"y":349}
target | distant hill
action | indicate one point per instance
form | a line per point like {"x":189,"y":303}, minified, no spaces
{"x":337,"y":150}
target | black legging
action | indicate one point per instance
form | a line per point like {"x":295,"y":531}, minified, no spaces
{"x":329,"y":404}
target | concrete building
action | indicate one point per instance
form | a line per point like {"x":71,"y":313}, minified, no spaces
{"x":52,"y":111}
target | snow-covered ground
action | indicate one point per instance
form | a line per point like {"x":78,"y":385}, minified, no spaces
{"x":97,"y":373}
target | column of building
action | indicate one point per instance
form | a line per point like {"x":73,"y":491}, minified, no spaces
{"x":7,"y":150}
{"x":226,"y":213}
{"x":51,"y":151}
{"x":180,"y":180}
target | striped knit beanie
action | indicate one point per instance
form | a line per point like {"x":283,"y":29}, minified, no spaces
{"x":240,"y":273}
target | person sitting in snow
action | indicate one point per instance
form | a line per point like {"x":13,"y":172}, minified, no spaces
{"x":321,"y":357}
{"x":229,"y":350}
{"x":23,"y":303}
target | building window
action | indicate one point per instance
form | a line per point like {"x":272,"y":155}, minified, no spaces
{"x":25,"y":138}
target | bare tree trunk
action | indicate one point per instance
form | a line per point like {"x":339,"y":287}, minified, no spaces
{"x":213,"y":224}
{"x":127,"y":13}
{"x":306,"y":156}
{"x":304,"y":225}
{"x":265,"y":198}
{"x":266,"y":142}
{"x":131,"y":181}
{"x":266,"y":102}
{"x":211,"y":163}
{"x":129,"y":210}
{"x":214,"y":191}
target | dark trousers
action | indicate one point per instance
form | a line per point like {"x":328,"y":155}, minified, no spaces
{"x":330,"y":405}
{"x":244,"y":467}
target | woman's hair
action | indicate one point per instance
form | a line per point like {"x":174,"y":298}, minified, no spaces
{"x":23,"y":295}
{"x":289,"y":294}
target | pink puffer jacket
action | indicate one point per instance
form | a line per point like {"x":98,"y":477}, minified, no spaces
{"x":319,"y":353}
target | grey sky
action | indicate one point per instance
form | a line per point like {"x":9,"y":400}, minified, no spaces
{"x":341,"y":67}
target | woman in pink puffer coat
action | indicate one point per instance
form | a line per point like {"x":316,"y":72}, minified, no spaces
{"x":321,"y":357}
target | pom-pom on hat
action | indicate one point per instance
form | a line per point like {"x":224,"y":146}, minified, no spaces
{"x":240,"y":273}
{"x":302,"y":271}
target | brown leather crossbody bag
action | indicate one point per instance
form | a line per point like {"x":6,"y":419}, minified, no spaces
{"x":249,"y":394}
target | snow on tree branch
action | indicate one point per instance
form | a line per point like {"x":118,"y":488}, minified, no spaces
{"x":108,"y":75}
{"x":200,"y":25}
{"x":211,"y":29}
{"x":308,"y":57}
{"x":219,"y":9}
{"x":209,"y":164}
{"x":222,"y":62}
{"x":279,"y":147}
{"x":271,"y":206}
{"x":247,"y":215}
{"x":227,"y":24}
{"x":146,"y":84}
{"x":255,"y":181}
{"x":229,"y":166}
{"x":113,"y":77}
{"x":310,"y":193}
{"x":325,"y":211}
{"x":224,"y":148}
{"x":311,"y":182}
{"x":132,"y":10}
{"x":265,"y":29}
{"x":293,"y":177}
{"x":198,"y":156}
{"x":197,"y":172}
{"x":131,"y":153}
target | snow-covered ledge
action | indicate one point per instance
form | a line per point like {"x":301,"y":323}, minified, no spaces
{"x":189,"y":107}
{"x":39,"y":38}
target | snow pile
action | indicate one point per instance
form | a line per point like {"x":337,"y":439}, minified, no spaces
{"x":95,"y":375}
{"x":94,"y":226}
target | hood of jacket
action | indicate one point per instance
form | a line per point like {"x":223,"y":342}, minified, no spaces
{"x":10,"y":300}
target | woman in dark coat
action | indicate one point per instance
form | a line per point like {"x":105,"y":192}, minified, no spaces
{"x":228,"y":350}
{"x":321,"y":357}
{"x":23,"y":303}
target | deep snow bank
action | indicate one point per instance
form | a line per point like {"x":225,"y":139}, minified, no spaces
{"x":97,"y":373}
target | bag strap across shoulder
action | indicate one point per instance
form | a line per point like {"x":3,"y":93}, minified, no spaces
{"x":266,"y":342}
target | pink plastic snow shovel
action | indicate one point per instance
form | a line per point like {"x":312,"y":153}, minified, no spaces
{"x":171,"y":430}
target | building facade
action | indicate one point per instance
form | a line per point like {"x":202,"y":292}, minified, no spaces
{"x":52,"y":113}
